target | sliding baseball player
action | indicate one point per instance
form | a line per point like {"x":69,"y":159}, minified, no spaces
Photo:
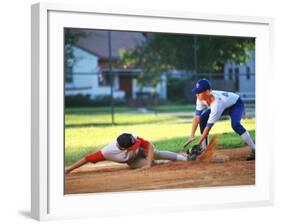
{"x":135,"y":151}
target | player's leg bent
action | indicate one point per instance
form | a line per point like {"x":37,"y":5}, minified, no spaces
{"x":203,"y":123}
{"x":237,"y":127}
{"x":236,"y":113}
{"x":139,"y":160}
{"x":167,"y":155}
{"x":204,"y":119}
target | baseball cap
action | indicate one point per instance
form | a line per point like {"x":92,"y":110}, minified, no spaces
{"x":126,"y":140}
{"x":201,"y":86}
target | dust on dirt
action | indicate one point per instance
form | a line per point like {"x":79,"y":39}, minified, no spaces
{"x":113,"y":177}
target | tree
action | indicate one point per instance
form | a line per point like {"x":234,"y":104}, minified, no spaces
{"x":71,"y":37}
{"x":163,"y":52}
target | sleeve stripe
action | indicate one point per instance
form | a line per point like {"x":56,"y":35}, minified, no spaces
{"x":198,"y":112}
{"x":144,"y":143}
{"x":95,"y":157}
{"x":209,"y":125}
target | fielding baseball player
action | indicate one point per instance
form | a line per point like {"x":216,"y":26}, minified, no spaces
{"x":210,"y":106}
{"x":136,"y":152}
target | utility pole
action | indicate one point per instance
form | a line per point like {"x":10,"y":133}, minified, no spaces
{"x":195,"y":56}
{"x":111,"y":77}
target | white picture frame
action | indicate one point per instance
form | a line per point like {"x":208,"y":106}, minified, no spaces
{"x":48,"y":201}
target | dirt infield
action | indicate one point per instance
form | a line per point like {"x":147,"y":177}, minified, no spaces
{"x":114,"y":177}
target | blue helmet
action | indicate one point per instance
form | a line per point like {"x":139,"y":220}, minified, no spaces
{"x":201,"y":86}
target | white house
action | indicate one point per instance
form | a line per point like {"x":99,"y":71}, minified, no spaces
{"x":90,"y":73}
{"x":85,"y":77}
{"x":243,"y":74}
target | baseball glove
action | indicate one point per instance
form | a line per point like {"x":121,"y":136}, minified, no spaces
{"x":194,"y":151}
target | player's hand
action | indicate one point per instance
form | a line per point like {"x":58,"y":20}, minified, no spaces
{"x":190,"y":139}
{"x":146,"y":167}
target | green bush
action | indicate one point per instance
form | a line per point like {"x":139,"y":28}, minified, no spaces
{"x":85,"y":101}
{"x":175,"y":90}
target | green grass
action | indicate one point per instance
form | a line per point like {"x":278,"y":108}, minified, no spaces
{"x":225,"y":140}
{"x":94,"y":110}
{"x":72,"y":121}
{"x":124,"y":109}
{"x":173,"y":108}
{"x":86,"y":134}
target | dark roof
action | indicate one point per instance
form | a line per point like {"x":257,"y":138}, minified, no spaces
{"x":96,"y":42}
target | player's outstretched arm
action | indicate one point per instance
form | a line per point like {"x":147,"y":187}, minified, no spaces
{"x":194,"y":126}
{"x":204,"y":135}
{"x":76,"y":165}
{"x":195,"y":122}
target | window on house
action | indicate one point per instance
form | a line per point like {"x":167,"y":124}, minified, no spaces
{"x":248,"y":74}
{"x":104,"y":79}
{"x":230,"y":73}
{"x":69,"y":74}
{"x":237,"y":79}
